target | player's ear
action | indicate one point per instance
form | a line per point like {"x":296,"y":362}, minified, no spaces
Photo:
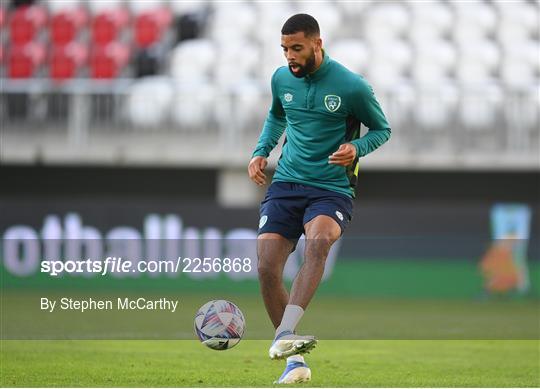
{"x":318,"y":44}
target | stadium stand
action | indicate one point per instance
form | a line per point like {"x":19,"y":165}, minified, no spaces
{"x":440,"y":69}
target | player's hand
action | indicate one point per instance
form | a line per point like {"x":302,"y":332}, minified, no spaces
{"x":255,"y":170}
{"x":344,"y":156}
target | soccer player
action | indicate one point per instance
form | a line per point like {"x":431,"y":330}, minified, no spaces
{"x":320,"y":105}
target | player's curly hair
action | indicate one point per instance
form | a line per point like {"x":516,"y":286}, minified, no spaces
{"x":301,"y":23}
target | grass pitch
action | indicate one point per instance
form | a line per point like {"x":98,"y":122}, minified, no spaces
{"x":365,"y":363}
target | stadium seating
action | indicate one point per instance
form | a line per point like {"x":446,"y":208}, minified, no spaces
{"x":193,"y":60}
{"x":108,"y":60}
{"x":107,"y":25}
{"x":150,"y":26}
{"x":25,"y":23}
{"x":432,"y":57}
{"x":150,"y":112}
{"x":234,"y":65}
{"x":66,"y":60}
{"x":193,"y":105}
{"x":66,"y":24}
{"x":3,"y":17}
{"x":25,"y":59}
{"x":351,"y":53}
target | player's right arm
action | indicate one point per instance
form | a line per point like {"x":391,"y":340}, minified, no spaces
{"x":273,"y":128}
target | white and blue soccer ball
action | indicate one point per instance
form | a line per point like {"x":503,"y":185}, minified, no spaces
{"x":219,"y":324}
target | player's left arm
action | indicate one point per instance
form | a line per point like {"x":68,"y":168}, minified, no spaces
{"x":368,"y":111}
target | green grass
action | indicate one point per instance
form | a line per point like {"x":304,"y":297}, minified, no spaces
{"x":475,"y":341}
{"x":328,"y":317}
{"x":367,"y":363}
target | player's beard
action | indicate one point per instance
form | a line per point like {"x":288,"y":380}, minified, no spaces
{"x":309,"y":67}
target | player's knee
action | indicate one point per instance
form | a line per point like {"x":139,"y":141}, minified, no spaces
{"x":322,"y":239}
{"x":267,"y":271}
{"x":266,"y":268}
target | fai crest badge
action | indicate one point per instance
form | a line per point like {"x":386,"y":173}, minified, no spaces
{"x":332,"y":102}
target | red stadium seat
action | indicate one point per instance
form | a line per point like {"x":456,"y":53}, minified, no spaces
{"x":66,"y":24}
{"x":107,"y":61}
{"x":3,"y":16}
{"x":25,"y":22}
{"x":107,"y":25}
{"x":149,"y":26}
{"x":66,"y":60}
{"x":25,"y":59}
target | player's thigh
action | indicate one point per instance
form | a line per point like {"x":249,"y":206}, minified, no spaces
{"x":272,"y":251}
{"x":282,"y":212}
{"x":328,"y":216}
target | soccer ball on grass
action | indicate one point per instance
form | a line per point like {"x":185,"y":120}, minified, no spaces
{"x":219,"y":324}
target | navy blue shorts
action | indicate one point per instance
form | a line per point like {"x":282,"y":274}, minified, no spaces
{"x":288,"y":206}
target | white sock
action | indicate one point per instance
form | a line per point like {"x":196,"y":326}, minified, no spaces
{"x":296,"y":358}
{"x":291,"y":317}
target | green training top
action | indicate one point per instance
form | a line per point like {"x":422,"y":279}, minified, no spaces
{"x":320,"y":112}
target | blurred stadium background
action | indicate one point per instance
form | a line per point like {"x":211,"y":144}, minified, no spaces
{"x":137,"y":120}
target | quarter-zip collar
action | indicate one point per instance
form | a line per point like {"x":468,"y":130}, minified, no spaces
{"x":321,"y":71}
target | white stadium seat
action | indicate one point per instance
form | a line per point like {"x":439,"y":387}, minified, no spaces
{"x":194,"y":104}
{"x":435,"y":105}
{"x":384,"y":76}
{"x":271,"y":59}
{"x":60,"y":5}
{"x":525,"y":51}
{"x":149,"y":102}
{"x":420,"y":34}
{"x":138,"y":7}
{"x":97,"y":6}
{"x":394,"y":16}
{"x":193,"y":59}
{"x":428,"y":73}
{"x":484,"y":51}
{"x":473,"y":73}
{"x":517,"y":74}
{"x":385,"y":22}
{"x":327,"y":15}
{"x":249,"y":104}
{"x":232,"y":21}
{"x":270,"y":18}
{"x":354,"y":9}
{"x":433,"y":16}
{"x":441,"y":53}
{"x":351,"y":53}
{"x":479,"y":107}
{"x":233,"y":62}
{"x":474,"y":20}
{"x":184,"y":7}
{"x":509,"y":33}
{"x":395,"y":53}
{"x":520,"y":14}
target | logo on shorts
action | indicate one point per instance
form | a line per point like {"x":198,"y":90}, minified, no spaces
{"x":332,"y":102}
{"x":339,"y":215}
{"x":288,"y":97}
{"x":263,"y":221}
